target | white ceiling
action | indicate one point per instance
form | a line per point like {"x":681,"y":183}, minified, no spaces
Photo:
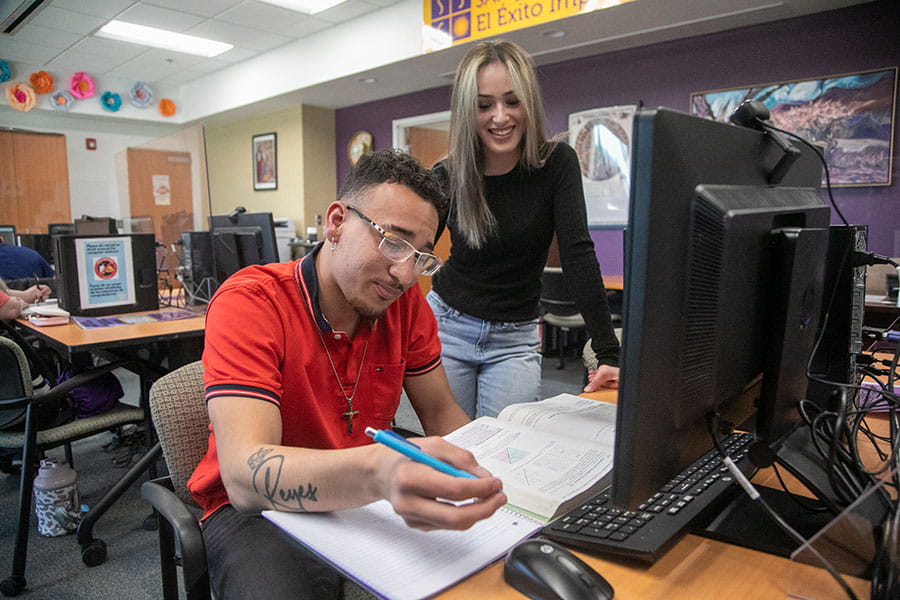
{"x":59,"y":39}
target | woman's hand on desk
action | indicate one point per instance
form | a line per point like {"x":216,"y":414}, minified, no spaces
{"x":413,"y":489}
{"x":603,"y":377}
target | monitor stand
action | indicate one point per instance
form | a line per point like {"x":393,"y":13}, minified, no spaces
{"x":744,"y":522}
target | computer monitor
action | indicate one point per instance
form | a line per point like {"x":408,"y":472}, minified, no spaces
{"x":88,"y":225}
{"x":107,"y":274}
{"x":42,"y":243}
{"x":723,"y":278}
{"x":61,"y":228}
{"x":240,"y":240}
{"x":8,"y":233}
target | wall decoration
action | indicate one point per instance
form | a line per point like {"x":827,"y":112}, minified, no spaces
{"x":81,"y":85}
{"x":851,"y":116}
{"x":359,"y":144}
{"x":141,"y":95}
{"x":602,"y":139}
{"x":265,"y":160}
{"x":111,"y":101}
{"x":42,"y":82}
{"x":5,"y":73}
{"x":61,"y":100}
{"x":166,"y":107}
{"x":20,"y":96}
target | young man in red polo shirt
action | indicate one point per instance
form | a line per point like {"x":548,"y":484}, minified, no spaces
{"x":300,"y":358}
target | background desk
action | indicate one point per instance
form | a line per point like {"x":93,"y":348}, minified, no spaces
{"x":695,"y":567}
{"x":153,"y":349}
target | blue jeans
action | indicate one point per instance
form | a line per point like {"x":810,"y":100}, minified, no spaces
{"x":490,"y":364}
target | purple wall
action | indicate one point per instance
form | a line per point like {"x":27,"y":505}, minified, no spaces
{"x":830,"y":43}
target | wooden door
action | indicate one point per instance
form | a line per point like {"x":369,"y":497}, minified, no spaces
{"x":34,"y":172}
{"x":428,"y":146}
{"x":159,"y":187}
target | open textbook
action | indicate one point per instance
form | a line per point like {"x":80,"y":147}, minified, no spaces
{"x":550,"y":455}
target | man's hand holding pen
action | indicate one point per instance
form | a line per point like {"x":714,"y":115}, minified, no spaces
{"x":36,"y":293}
{"x":420,"y":493}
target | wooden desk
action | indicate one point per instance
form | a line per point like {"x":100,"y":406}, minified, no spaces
{"x":614,"y":282}
{"x":694,"y":568}
{"x":72,"y":339}
{"x":131,"y":342}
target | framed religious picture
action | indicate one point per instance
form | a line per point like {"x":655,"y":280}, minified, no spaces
{"x":265,"y":162}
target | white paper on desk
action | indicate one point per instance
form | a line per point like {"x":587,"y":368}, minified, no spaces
{"x":373,"y":546}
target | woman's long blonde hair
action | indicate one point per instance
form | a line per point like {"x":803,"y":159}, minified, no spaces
{"x":466,"y":158}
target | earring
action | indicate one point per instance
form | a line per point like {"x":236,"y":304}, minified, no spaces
{"x":333,"y":244}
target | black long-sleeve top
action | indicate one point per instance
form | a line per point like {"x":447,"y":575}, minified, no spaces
{"x":501,"y":281}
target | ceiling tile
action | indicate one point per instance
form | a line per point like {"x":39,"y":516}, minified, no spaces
{"x":161,"y":18}
{"x":238,"y":35}
{"x":177,"y":60}
{"x":106,"y":9}
{"x":262,"y":16}
{"x":95,"y":46}
{"x":93,"y":65}
{"x":66,"y":20}
{"x":305,"y":27}
{"x":52,"y":38}
{"x":26,"y":52}
{"x":138,"y":71}
{"x":206,"y":8}
{"x":346,"y":11}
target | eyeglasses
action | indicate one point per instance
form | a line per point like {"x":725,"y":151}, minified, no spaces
{"x":399,"y":250}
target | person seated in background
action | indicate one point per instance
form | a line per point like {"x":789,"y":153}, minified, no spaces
{"x":19,"y":262}
{"x":324,"y":347}
{"x":13,"y":302}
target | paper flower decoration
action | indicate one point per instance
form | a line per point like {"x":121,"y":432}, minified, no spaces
{"x":166,"y":107}
{"x":42,"y":82}
{"x":111,"y":101}
{"x":81,"y":85}
{"x":4,"y":71}
{"x":61,"y":100}
{"x":20,"y":96}
{"x":141,"y":95}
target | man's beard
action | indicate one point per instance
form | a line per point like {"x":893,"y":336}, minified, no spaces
{"x":365,"y":312}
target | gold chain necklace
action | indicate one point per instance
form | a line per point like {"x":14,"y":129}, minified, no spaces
{"x":349,"y":413}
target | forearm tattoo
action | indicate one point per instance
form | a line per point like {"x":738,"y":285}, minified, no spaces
{"x":266,"y":468}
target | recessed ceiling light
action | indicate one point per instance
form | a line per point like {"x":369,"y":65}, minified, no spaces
{"x":367,"y":80}
{"x":309,"y":7}
{"x":160,"y":38}
{"x":553,"y":33}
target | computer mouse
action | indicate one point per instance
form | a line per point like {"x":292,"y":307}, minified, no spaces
{"x":544,"y":570}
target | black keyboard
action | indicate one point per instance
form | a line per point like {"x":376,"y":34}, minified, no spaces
{"x":647,"y":532}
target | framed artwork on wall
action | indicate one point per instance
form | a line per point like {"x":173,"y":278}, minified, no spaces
{"x":265,"y":162}
{"x":602,"y":139}
{"x":850,"y":116}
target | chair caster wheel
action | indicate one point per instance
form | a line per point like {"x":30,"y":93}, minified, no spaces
{"x":94,"y":553}
{"x":150,"y":523}
{"x":12,"y":586}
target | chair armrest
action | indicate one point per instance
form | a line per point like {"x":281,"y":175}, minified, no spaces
{"x":185,"y":526}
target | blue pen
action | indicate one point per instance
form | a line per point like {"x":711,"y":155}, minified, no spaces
{"x":413,"y":452}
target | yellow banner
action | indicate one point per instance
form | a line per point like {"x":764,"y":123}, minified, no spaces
{"x":451,"y":22}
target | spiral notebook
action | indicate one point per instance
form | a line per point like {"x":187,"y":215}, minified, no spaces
{"x":373,"y":546}
{"x":551,"y":455}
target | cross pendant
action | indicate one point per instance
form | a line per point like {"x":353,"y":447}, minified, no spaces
{"x":349,"y":416}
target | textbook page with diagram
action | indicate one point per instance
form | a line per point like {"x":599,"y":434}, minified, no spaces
{"x":549,"y":455}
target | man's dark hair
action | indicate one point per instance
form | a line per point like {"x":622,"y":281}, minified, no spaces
{"x":395,"y":166}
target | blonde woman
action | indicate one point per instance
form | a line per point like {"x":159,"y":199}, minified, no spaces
{"x":511,"y":190}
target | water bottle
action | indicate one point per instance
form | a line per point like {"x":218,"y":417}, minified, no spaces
{"x":56,"y":502}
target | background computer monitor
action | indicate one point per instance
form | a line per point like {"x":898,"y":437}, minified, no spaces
{"x":707,"y":296}
{"x":42,"y":243}
{"x":240,"y":240}
{"x":95,"y":226}
{"x":106,"y":274}
{"x":8,"y":233}
{"x":61,"y":228}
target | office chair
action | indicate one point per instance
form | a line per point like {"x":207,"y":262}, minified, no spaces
{"x":559,"y":311}
{"x":178,"y":408}
{"x":17,"y":395}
